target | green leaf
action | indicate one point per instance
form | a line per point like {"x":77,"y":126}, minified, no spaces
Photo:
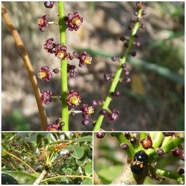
{"x":85,"y":138}
{"x":87,"y":181}
{"x":21,"y":177}
{"x":107,"y":175}
{"x":78,"y":151}
{"x":88,"y":169}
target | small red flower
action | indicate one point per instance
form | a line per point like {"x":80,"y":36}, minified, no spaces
{"x":73,"y":21}
{"x":147,"y":142}
{"x":49,"y":45}
{"x":43,"y":22}
{"x":84,"y":59}
{"x":46,"y":97}
{"x":87,"y":111}
{"x":45,"y":74}
{"x":60,"y":51}
{"x":73,"y":98}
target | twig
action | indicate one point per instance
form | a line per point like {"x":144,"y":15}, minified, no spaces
{"x":28,"y":65}
{"x":40,"y":178}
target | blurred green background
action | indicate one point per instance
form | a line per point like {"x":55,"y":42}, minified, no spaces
{"x":153,"y":101}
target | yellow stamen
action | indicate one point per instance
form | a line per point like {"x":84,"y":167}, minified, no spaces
{"x":42,"y":74}
{"x":60,"y":55}
{"x":88,"y":60}
{"x":75,"y":100}
{"x":40,"y":21}
{"x":90,"y":110}
{"x":76,"y":21}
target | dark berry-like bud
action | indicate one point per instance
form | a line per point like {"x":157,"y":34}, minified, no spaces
{"x":133,"y":20}
{"x":147,"y":142}
{"x":43,"y":22}
{"x":136,"y":35}
{"x":112,"y":116}
{"x":142,"y":26}
{"x":160,"y":152}
{"x":123,"y":65}
{"x":176,"y":152}
{"x":85,"y":122}
{"x":122,"y":38}
{"x":94,"y":102}
{"x":127,"y":79}
{"x":127,"y":135}
{"x":144,"y":12}
{"x":114,"y":58}
{"x":133,"y":140}
{"x":84,"y":59}
{"x":133,"y":53}
{"x":137,"y":43}
{"x":108,"y":76}
{"x":100,"y":134}
{"x":126,"y":45}
{"x":168,"y":133}
{"x":49,"y":4}
{"x":74,"y":21}
{"x":182,"y":155}
{"x":117,"y":93}
{"x":71,"y":69}
{"x":136,"y":13}
{"x":130,"y":27}
{"x":124,"y":146}
{"x":46,"y":97}
{"x":56,"y":70}
{"x":103,"y":112}
{"x":181,"y":171}
{"x":126,"y":72}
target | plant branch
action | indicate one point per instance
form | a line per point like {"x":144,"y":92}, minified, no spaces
{"x":28,"y":65}
{"x":10,"y":154}
{"x":64,"y":75}
{"x":40,"y":178}
{"x":118,"y":74}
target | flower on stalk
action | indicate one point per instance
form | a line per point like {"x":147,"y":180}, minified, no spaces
{"x":46,"y":97}
{"x":43,"y":22}
{"x":112,"y":116}
{"x":45,"y":74}
{"x":73,"y":98}
{"x":60,"y":51}
{"x":56,"y":126}
{"x":71,"y":69}
{"x":84,"y":59}
{"x":73,"y":21}
{"x":147,"y":142}
{"x":49,"y":45}
{"x":87,"y":111}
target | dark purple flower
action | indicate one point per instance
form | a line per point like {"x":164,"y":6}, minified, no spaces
{"x":73,"y":98}
{"x":73,"y":21}
{"x":84,"y":59}
{"x":52,"y":127}
{"x":49,"y":4}
{"x":60,"y":51}
{"x":112,"y":116}
{"x":87,"y":111}
{"x":44,"y":74}
{"x":49,"y":45}
{"x":46,"y":97}
{"x":43,"y":22}
{"x":71,"y":69}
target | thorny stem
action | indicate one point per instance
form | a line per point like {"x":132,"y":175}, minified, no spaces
{"x":64,"y":75}
{"x":28,"y":66}
{"x":118,"y":73}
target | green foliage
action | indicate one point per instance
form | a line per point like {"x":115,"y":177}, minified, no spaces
{"x":26,"y":155}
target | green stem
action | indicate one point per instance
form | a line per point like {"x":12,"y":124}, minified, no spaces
{"x":64,"y":75}
{"x":122,"y":139}
{"x":168,"y":174}
{"x":118,"y":74}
